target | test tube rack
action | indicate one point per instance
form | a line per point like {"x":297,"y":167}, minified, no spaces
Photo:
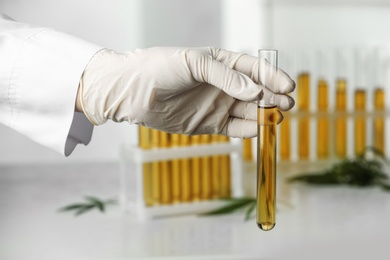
{"x":132,"y":158}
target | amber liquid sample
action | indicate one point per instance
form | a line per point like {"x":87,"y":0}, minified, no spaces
{"x":215,"y":171}
{"x":156,"y":171}
{"x":144,"y":135}
{"x":341,"y":119}
{"x":284,"y":147}
{"x":225,"y":177}
{"x":247,"y":149}
{"x":360,"y":122}
{"x":205,"y":161}
{"x":379,"y":122}
{"x":185,"y":168}
{"x":266,"y":167}
{"x":195,"y":171}
{"x":304,"y":122}
{"x":175,"y":167}
{"x":323,"y":121}
{"x":166,"y":176}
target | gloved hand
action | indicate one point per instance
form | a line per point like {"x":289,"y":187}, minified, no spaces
{"x":178,"y":90}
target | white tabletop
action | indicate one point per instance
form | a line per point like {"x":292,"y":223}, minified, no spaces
{"x":316,"y":222}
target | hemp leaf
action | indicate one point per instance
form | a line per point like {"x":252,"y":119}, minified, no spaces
{"x":87,"y":205}
{"x":361,"y":171}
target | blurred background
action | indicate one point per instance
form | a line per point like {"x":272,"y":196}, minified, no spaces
{"x":334,"y":41}
{"x":243,"y":26}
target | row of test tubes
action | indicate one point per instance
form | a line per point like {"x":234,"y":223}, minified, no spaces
{"x":183,"y":180}
{"x":340,"y":104}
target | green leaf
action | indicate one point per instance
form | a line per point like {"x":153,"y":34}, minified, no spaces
{"x":250,"y":210}
{"x":360,"y":172}
{"x":89,"y":204}
{"x":71,"y":207}
{"x":96,"y":202}
{"x":84,"y":209}
{"x":230,"y":207}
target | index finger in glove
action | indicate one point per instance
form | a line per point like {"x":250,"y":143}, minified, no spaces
{"x":204,"y":68}
{"x":277,"y":81}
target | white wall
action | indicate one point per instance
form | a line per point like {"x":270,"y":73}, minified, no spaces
{"x":289,"y":25}
{"x":244,"y":25}
{"x":115,"y":24}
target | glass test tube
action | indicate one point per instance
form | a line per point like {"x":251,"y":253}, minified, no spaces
{"x":175,"y":166}
{"x":185,"y":167}
{"x":156,"y":178}
{"x":225,"y":188}
{"x":215,"y":171}
{"x":205,"y":161}
{"x":144,"y":136}
{"x":285,"y":132}
{"x":166,"y":177}
{"x":285,"y":126}
{"x":303,"y":101}
{"x":322,"y":108}
{"x":266,"y":145}
{"x":379,"y":121}
{"x":195,"y":171}
{"x":381,"y":70}
{"x":247,"y":149}
{"x":360,"y":102}
{"x":340,"y":134}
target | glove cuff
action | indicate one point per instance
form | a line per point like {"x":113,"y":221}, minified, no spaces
{"x":80,"y":97}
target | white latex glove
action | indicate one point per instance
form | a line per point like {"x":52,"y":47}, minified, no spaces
{"x":178,"y":90}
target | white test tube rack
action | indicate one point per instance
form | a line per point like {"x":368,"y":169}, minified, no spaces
{"x":131,"y":196}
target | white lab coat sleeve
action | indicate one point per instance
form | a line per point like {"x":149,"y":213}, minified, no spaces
{"x":40,"y":69}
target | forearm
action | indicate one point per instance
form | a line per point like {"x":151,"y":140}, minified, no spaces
{"x":40,"y":71}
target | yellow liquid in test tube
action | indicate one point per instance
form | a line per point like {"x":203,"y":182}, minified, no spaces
{"x":185,"y":167}
{"x":247,"y":149}
{"x":205,"y":161}
{"x":195,"y":171}
{"x":215,"y":171}
{"x":266,"y":169}
{"x":341,"y":120}
{"x":225,"y":188}
{"x":304,"y":123}
{"x":323,"y":121}
{"x":166,"y":178}
{"x":175,"y":167}
{"x":360,"y":122}
{"x":144,"y":134}
{"x":156,"y":178}
{"x":284,"y":147}
{"x":379,"y":122}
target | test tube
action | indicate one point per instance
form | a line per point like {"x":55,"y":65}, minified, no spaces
{"x":340,"y":134}
{"x":205,"y":161}
{"x":156,"y":171}
{"x":144,"y":136}
{"x":247,"y":149}
{"x":360,"y":101}
{"x":381,"y":77}
{"x":185,"y":167}
{"x":379,"y":121}
{"x":225,"y":173}
{"x":322,"y":107}
{"x":267,"y":118}
{"x":285,"y":127}
{"x":175,"y":166}
{"x":215,"y":171}
{"x":195,"y":171}
{"x":303,"y":101}
{"x":166,"y":177}
{"x":285,"y":133}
